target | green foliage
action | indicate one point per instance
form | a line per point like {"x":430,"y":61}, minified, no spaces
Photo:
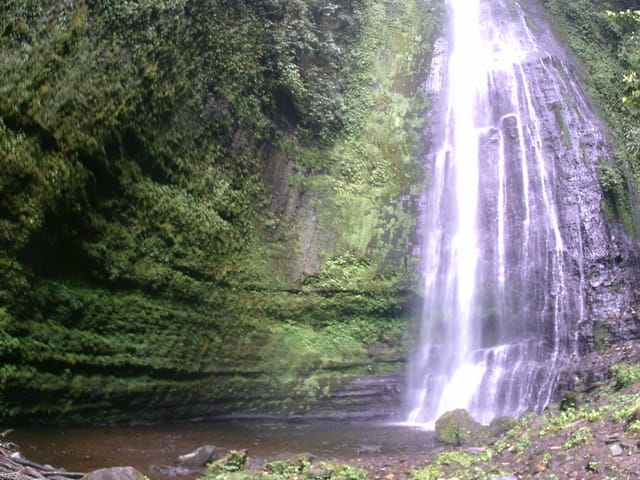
{"x":145,"y":265}
{"x":343,"y":272}
{"x":295,"y":347}
{"x":233,"y":461}
{"x":614,"y":187}
{"x":629,"y":21}
{"x":458,"y":464}
{"x":562,"y":421}
{"x":592,"y":415}
{"x":8,"y":343}
{"x":462,"y":458}
{"x":501,"y":445}
{"x":607,"y":45}
{"x":634,"y":427}
{"x":601,"y":334}
{"x":34,"y":183}
{"x":334,"y":471}
{"x":288,"y":468}
{"x":624,"y":406}
{"x":579,"y":437}
{"x":521,"y":444}
{"x":625,"y":374}
{"x":300,"y":468}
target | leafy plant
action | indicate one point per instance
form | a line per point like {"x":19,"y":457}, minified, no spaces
{"x":625,"y":374}
{"x":579,"y":437}
{"x":559,"y":422}
{"x":232,"y":462}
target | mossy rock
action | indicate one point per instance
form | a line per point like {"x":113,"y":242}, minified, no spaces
{"x":233,"y":461}
{"x":570,"y":401}
{"x":291,"y":467}
{"x":501,"y":425}
{"x":458,"y":427}
{"x":634,"y":416}
{"x":601,"y":337}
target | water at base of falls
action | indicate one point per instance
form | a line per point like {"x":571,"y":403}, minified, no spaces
{"x":152,"y":449}
{"x":501,"y":264}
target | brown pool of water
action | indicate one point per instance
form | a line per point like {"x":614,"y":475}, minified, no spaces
{"x":86,"y":449}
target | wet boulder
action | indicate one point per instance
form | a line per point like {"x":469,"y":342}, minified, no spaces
{"x":115,"y":473}
{"x":458,"y":427}
{"x":198,"y":458}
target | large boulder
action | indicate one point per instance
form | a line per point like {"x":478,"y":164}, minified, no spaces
{"x":115,"y":473}
{"x":458,"y":427}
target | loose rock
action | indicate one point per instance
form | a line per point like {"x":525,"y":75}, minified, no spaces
{"x":169,"y":471}
{"x":615,"y":449}
{"x":197,"y":458}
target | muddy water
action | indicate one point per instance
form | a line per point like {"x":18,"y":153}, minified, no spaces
{"x":85,"y":449}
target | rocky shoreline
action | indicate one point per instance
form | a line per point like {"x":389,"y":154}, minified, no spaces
{"x":593,"y":433}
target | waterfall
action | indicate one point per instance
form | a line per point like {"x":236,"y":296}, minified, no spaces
{"x":512,"y":138}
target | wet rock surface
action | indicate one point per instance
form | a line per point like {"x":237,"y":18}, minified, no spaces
{"x":366,"y":397}
{"x":197,"y":458}
{"x":115,"y":473}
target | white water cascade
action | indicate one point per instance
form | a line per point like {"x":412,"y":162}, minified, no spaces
{"x":512,"y":137}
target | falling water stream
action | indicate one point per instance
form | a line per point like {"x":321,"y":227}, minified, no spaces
{"x":502,"y":242}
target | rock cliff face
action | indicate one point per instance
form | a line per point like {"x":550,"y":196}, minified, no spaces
{"x":602,"y":259}
{"x":610,"y":265}
{"x":368,"y":397}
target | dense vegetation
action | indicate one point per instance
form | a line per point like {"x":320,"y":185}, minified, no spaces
{"x":205,"y":206}
{"x":604,"y":37}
